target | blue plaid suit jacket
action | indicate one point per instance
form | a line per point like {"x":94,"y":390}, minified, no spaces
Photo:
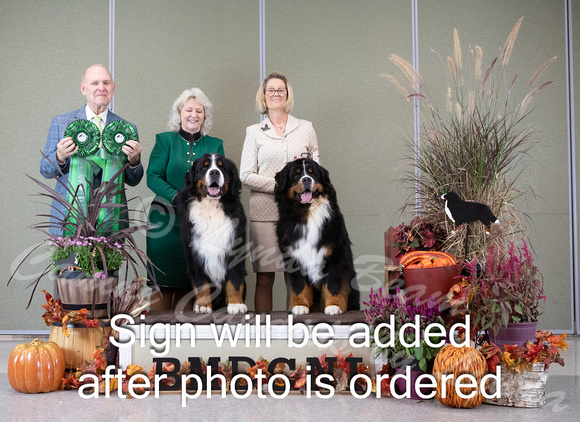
{"x":133,"y":175}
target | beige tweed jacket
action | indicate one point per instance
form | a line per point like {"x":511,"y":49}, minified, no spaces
{"x":265,"y":153}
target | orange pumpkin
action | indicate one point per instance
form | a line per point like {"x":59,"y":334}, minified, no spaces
{"x":457,"y":361}
{"x":36,"y":367}
{"x":427,"y":259}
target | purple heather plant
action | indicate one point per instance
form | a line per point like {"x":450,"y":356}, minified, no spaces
{"x":381,"y":306}
{"x":508,"y":288}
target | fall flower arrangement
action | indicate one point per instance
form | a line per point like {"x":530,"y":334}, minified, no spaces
{"x":96,"y":368}
{"x":507,"y":287}
{"x":476,"y":142}
{"x":545,"y":349}
{"x":381,"y":306}
{"x":98,"y":232}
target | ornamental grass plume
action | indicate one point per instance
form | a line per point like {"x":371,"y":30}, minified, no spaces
{"x":477,"y":145}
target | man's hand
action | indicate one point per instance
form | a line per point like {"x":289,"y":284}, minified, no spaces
{"x":133,"y":151}
{"x":64,"y":149}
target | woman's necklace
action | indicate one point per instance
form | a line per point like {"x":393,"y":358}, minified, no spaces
{"x":280,"y":126}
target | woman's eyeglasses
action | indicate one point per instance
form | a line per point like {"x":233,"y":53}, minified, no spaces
{"x":270,"y":92}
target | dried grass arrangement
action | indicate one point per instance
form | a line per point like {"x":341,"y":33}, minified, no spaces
{"x":477,"y":144}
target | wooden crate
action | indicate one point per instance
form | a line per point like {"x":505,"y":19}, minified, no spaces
{"x":393,"y":277}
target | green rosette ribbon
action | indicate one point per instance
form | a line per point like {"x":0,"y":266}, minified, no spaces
{"x":85,"y":168}
{"x":85,"y":134}
{"x":116,"y":134}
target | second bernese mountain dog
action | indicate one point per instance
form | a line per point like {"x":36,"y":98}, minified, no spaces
{"x":314,"y":240}
{"x":213,"y":225}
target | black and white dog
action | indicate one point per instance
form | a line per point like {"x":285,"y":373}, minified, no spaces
{"x":461,"y":212}
{"x":314,"y":240}
{"x":213,"y":225}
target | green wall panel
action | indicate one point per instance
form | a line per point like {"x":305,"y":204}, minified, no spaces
{"x":42,"y":61}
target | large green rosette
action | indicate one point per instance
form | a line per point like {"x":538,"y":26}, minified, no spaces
{"x":85,"y":134}
{"x":116,"y":134}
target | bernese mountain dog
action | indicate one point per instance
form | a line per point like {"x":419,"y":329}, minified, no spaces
{"x":314,"y":240}
{"x":461,"y":212}
{"x":213,"y":225}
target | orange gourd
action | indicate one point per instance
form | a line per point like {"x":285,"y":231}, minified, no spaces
{"x":36,"y":367}
{"x":457,"y":361}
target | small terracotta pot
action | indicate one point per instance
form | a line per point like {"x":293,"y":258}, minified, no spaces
{"x":436,"y":281}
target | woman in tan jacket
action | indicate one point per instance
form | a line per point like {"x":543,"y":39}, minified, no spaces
{"x":268,"y":146}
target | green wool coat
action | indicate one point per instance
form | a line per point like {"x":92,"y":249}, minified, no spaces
{"x":170,"y":160}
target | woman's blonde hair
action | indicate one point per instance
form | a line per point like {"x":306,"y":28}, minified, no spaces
{"x":261,"y":95}
{"x":174,"y":123}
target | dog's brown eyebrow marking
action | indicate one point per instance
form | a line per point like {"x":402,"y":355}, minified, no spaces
{"x":219,"y":163}
{"x":298,"y":170}
{"x":309,"y":170}
{"x":206,"y":163}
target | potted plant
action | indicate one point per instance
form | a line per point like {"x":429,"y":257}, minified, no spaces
{"x":418,"y":235}
{"x":98,"y":239}
{"x":503,"y":294}
{"x":523,"y":369}
{"x":398,"y":352}
{"x":476,"y":143}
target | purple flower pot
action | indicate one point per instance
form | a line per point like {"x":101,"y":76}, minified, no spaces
{"x":516,"y":333}
{"x":412,"y":376}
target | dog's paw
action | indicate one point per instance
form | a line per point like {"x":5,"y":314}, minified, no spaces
{"x":199,"y":309}
{"x":332,"y":310}
{"x":300,"y":310}
{"x":237,"y":308}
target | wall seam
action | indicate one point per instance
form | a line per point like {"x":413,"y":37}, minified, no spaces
{"x":112,"y":47}
{"x":573,"y":195}
{"x":416,"y":111}
{"x":262,"y":53}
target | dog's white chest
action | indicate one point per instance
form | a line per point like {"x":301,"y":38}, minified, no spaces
{"x":305,"y":250}
{"x":212,"y":237}
{"x":448,"y":212}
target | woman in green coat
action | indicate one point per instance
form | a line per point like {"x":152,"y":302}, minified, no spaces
{"x":190,"y":121}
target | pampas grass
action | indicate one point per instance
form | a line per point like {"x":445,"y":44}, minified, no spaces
{"x":477,"y":147}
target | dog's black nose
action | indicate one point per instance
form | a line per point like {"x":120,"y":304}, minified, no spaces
{"x":307,"y":182}
{"x":214,"y":173}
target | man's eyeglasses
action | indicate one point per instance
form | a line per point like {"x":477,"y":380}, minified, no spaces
{"x":270,"y":92}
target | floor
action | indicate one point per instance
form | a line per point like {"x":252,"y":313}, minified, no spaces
{"x":562,"y":403}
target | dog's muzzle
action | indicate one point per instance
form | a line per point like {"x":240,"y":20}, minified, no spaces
{"x":215,"y":181}
{"x":307,"y":185}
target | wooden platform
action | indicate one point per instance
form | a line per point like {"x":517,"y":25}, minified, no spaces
{"x":277,"y":334}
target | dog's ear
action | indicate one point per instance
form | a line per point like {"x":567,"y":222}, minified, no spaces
{"x":190,"y":176}
{"x":325,"y":179}
{"x":281,"y":179}
{"x":235,"y":182}
{"x":324,"y":175}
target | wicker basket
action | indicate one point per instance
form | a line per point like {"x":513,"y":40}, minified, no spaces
{"x":527,"y":389}
{"x":459,"y":361}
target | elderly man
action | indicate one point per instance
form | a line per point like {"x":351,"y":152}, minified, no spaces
{"x":61,"y":159}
